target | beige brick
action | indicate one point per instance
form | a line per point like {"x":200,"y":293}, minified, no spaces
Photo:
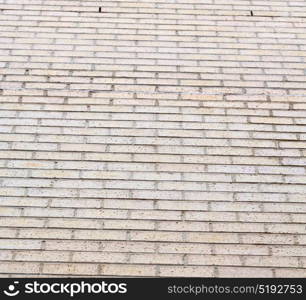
{"x":20,"y":244}
{"x":166,"y":139}
{"x":128,"y":270}
{"x":42,"y":256}
{"x":98,"y":257}
{"x":290,"y":272}
{"x":70,"y":269}
{"x":19,"y":267}
{"x":246,"y":272}
{"x":214,"y":260}
{"x":186,"y":271}
{"x":159,"y":259}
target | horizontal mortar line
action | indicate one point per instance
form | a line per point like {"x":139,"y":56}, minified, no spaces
{"x":161,"y":53}
{"x":166,"y":264}
{"x":118,"y":22}
{"x":301,"y":89}
{"x":147,"y":162}
{"x":264,"y":80}
{"x":207,"y":145}
{"x":162,"y":2}
{"x":176,"y":163}
{"x":161,"y":210}
{"x":227,"y":145}
{"x":111,"y":96}
{"x":153,"y":180}
{"x":268,"y":223}
{"x":121,"y":13}
{"x":150,"y":241}
{"x":139,"y":252}
{"x":228,"y":114}
{"x":175,"y":27}
{"x":176,"y":6}
{"x":144,"y":198}
{"x":200,"y":46}
{"x":299,"y":142}
{"x":158,"y":242}
{"x":276,"y":4}
{"x":204,"y":122}
{"x":206,"y":138}
{"x":210,"y":72}
{"x":122,"y":35}
{"x":167,"y":199}
{"x":143,"y":10}
{"x":115,"y":38}
{"x":194,"y":4}
{"x":219,"y":19}
{"x":160,"y":200}
{"x":160,"y":231}
{"x":142,"y":230}
{"x":164,"y":180}
{"x":135,"y":189}
{"x":126,"y":172}
{"x":52,"y":34}
{"x":151,"y":153}
{"x":95,"y":199}
{"x":122,"y":23}
{"x":159,"y":65}
{"x":147,"y":144}
{"x":166,"y":58}
{"x":66,"y":77}
{"x":213,"y":140}
{"x":136,"y":86}
{"x":152,"y":200}
{"x":282,"y":41}
{"x":207,"y":155}
{"x":78,"y":107}
{"x":143,"y":190}
{"x":165,"y":220}
{"x":225,"y":115}
{"x":86,"y":106}
{"x":146,"y":112}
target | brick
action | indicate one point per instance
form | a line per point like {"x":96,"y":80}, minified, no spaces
{"x":214,"y":260}
{"x":70,"y":269}
{"x":128,"y":270}
{"x":242,"y":249}
{"x":42,"y":256}
{"x":97,"y":234}
{"x":167,"y":139}
{"x":184,"y":248}
{"x":19,"y":267}
{"x":20,"y":244}
{"x":286,"y":273}
{"x":186,"y":271}
{"x":97,"y":257}
{"x":159,"y":259}
{"x":233,"y":272}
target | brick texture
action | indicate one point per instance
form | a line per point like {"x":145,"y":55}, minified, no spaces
{"x":156,"y":138}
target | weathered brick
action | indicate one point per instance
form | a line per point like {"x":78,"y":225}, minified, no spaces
{"x":166,"y":139}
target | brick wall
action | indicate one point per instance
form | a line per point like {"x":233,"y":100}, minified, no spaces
{"x":156,"y":138}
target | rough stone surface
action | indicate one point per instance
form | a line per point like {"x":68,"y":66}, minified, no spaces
{"x":156,"y":138}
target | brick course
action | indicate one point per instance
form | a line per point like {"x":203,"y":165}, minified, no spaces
{"x":157,"y":138}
